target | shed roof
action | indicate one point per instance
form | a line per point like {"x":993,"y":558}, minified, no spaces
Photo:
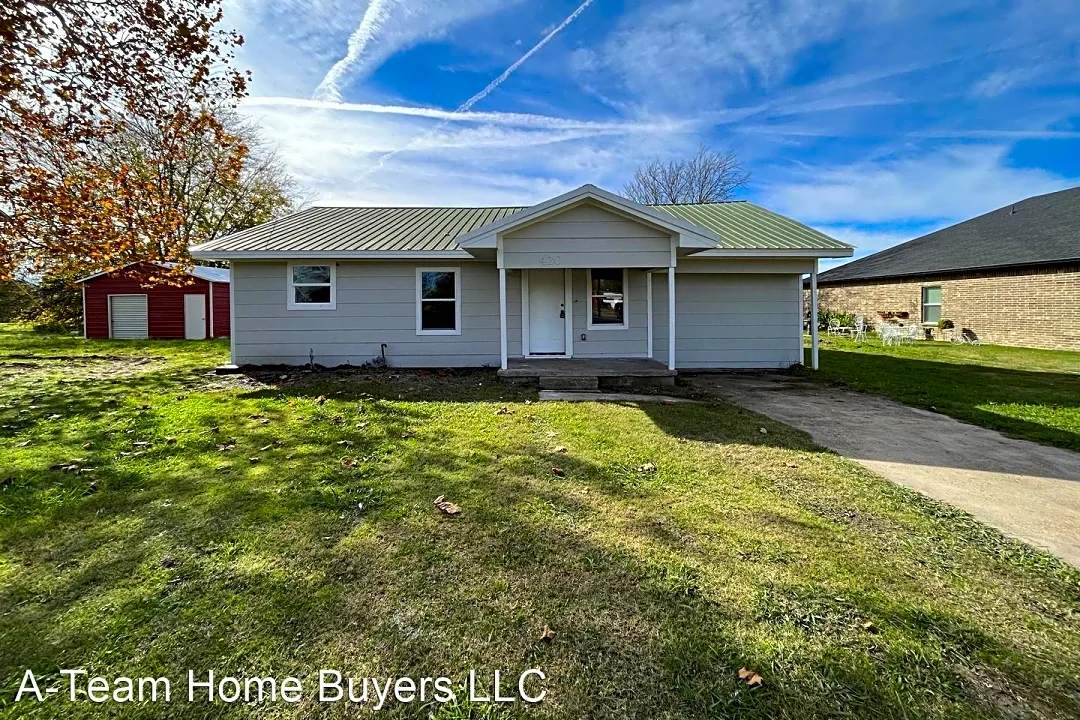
{"x":212,"y":274}
{"x":741,"y":226}
{"x":1041,"y":230}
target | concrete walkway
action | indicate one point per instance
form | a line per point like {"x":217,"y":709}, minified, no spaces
{"x":1026,"y":490}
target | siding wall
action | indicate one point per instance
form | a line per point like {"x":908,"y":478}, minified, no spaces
{"x":587,"y":236}
{"x":376,"y":303}
{"x":610,"y":342}
{"x":725,"y":319}
{"x":164,"y":303}
{"x":729,"y":320}
{"x":221,"y":309}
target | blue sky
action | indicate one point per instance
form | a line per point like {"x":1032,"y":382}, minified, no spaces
{"x":873,"y":120}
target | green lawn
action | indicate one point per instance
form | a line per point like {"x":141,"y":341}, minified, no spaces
{"x":1026,"y":393}
{"x":270,"y":526}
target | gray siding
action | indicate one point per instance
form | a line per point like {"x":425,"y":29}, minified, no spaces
{"x":376,"y":303}
{"x":587,"y":236}
{"x":730,"y":320}
{"x":611,"y":342}
{"x":725,"y":319}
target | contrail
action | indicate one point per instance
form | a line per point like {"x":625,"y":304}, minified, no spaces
{"x":491,"y":87}
{"x":375,"y":16}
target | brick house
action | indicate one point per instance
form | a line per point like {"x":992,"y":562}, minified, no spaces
{"x":1009,"y":277}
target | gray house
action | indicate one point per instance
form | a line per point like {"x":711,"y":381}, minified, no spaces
{"x":586,"y":275}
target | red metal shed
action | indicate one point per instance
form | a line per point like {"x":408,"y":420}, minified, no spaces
{"x":123,"y":304}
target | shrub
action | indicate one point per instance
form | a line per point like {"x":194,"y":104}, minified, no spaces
{"x":842,"y":318}
{"x":945,"y":324}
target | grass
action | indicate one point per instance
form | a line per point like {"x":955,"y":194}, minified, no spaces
{"x":1022,"y":392}
{"x":279,"y":525}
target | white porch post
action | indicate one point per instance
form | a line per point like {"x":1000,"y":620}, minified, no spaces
{"x":648,"y":297}
{"x":502,"y":316}
{"x":671,"y":317}
{"x":813,"y":318}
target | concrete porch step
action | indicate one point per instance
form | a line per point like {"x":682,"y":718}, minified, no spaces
{"x":569,"y":382}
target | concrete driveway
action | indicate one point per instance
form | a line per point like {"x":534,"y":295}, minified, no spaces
{"x":1028,"y":491}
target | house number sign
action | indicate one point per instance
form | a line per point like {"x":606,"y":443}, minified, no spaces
{"x":551,"y":260}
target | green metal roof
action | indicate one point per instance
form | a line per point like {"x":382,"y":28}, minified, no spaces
{"x":741,"y":225}
{"x":744,"y":226}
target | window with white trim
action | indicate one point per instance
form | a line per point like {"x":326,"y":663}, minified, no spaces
{"x":608,"y":299}
{"x":312,"y":287}
{"x":438,"y":301}
{"x":931,"y":304}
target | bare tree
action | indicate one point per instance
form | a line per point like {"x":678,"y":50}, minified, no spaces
{"x":707,"y":177}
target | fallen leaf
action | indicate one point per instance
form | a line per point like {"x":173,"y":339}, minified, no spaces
{"x":362,"y":425}
{"x":558,"y":472}
{"x":504,"y":411}
{"x":647,"y":468}
{"x":225,"y":447}
{"x":344,"y":443}
{"x":349,"y":462}
{"x":338,"y":419}
{"x":547,"y":634}
{"x":264,"y":448}
{"x":446,"y":506}
{"x":406,"y":435}
{"x":277,"y":443}
{"x":24,"y":443}
{"x":264,"y":422}
{"x":561,"y":449}
{"x":170,"y":441}
{"x":750,"y":677}
{"x":253,"y":459}
{"x":54,"y":416}
{"x":289,"y":457}
{"x":869,"y":627}
{"x":141,"y":443}
{"x":86,"y":446}
{"x":320,"y":400}
{"x":764,"y":431}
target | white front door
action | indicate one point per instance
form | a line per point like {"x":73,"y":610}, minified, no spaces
{"x":195,"y":317}
{"x":547,"y":312}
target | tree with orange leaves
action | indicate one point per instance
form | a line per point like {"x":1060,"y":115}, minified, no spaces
{"x":79,"y":79}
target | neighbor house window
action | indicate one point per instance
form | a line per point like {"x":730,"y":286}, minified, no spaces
{"x":312,"y":287}
{"x":607,"y":288}
{"x":438,"y":301}
{"x":931,"y":304}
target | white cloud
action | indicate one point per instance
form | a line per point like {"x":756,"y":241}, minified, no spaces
{"x":471,"y":158}
{"x":685,"y":51}
{"x":951,"y":183}
{"x":389,"y":26}
{"x":1002,"y":81}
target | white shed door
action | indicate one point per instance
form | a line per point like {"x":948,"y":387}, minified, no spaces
{"x":195,"y":317}
{"x":127,"y":317}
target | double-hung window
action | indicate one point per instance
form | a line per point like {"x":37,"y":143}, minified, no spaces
{"x":312,"y":287}
{"x":438,"y":301}
{"x":608,"y":306}
{"x":931,"y":304}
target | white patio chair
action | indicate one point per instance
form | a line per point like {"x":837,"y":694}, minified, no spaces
{"x":833,"y":327}
{"x":859,"y":331}
{"x":889,"y":333}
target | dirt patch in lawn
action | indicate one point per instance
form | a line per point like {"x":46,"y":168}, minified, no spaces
{"x":77,"y":368}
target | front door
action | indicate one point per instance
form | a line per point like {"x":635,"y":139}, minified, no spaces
{"x":547,"y":312}
{"x":195,"y":317}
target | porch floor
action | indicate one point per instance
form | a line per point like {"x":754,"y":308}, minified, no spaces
{"x":585,"y":367}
